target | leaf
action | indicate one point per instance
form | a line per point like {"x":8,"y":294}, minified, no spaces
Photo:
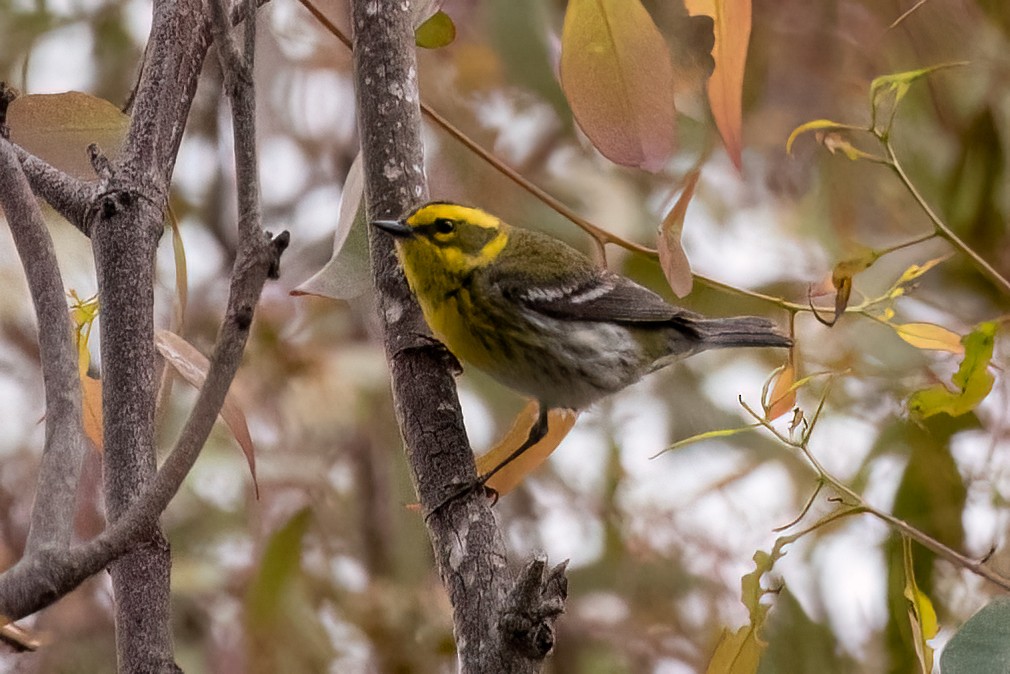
{"x":559,"y":423}
{"x":899,"y":83}
{"x":617,"y":75}
{"x":930,"y":336}
{"x":181,"y":274}
{"x":91,"y":410}
{"x":725,"y":87}
{"x":982,"y":645}
{"x":841,"y":279}
{"x":834,"y":142}
{"x":972,"y":381}
{"x":707,"y":435}
{"x":347,"y":273}
{"x":279,"y":565}
{"x":783,"y":395}
{"x":737,"y":652}
{"x":437,"y":31}
{"x":83,"y":314}
{"x":816,"y":125}
{"x":740,"y":652}
{"x":916,"y":270}
{"x":921,"y":615}
{"x":193,"y":366}
{"x":59,"y":128}
{"x":672,"y":258}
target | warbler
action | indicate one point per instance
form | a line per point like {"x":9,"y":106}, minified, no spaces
{"x":541,"y":317}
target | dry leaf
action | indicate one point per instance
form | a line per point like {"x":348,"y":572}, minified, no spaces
{"x":192,"y":366}
{"x":559,"y":423}
{"x":672,"y":258}
{"x":725,"y":87}
{"x":60,"y":127}
{"x":783,"y":395}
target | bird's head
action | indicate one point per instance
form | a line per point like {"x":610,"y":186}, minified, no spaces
{"x":455,"y":238}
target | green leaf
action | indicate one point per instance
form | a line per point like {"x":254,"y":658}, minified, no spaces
{"x":280,"y":564}
{"x":921,"y":614}
{"x":899,"y":83}
{"x":972,"y":381}
{"x":707,"y":435}
{"x":982,"y":645}
{"x":617,"y":75}
{"x":437,"y":31}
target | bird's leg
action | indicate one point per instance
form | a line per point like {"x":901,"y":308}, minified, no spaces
{"x":537,"y":433}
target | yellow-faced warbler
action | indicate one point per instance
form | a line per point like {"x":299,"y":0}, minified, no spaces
{"x":541,"y":317}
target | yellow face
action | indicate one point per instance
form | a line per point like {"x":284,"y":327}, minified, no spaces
{"x":448,"y":239}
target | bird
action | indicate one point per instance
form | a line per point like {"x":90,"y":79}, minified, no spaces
{"x":541,"y":317}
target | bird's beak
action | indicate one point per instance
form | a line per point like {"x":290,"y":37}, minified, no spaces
{"x":394,"y":227}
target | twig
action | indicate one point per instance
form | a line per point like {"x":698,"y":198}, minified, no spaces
{"x":940,"y":227}
{"x":59,"y":472}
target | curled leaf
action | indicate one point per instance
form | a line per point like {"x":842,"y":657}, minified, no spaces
{"x":346,"y":275}
{"x":841,"y":279}
{"x":972,"y":381}
{"x":817,"y":125}
{"x":783,"y":395}
{"x":193,"y":366}
{"x":617,"y":75}
{"x":672,"y":258}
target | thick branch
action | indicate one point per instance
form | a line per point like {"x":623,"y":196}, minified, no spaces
{"x":53,"y":512}
{"x":468,"y":546}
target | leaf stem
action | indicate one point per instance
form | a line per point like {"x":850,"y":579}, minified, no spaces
{"x":940,"y":228}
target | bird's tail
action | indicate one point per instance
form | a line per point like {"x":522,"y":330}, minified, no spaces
{"x":721,"y":333}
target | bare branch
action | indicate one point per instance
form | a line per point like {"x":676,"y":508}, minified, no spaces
{"x":53,"y":512}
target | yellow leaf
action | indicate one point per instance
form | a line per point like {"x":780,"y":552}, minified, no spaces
{"x":193,"y":366}
{"x":725,"y":87}
{"x":930,"y":336}
{"x":672,"y":258}
{"x":816,"y":125}
{"x":559,"y":423}
{"x":707,"y":435}
{"x":617,"y":75}
{"x":438,"y":30}
{"x":737,"y":652}
{"x":921,"y":614}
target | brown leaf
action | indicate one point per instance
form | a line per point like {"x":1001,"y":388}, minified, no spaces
{"x":559,"y":423}
{"x":617,"y":75}
{"x":192,"y":366}
{"x":91,"y":410}
{"x":59,"y":128}
{"x":725,"y":86}
{"x":783,"y":396}
{"x":672,"y":258}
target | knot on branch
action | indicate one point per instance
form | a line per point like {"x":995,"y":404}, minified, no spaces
{"x":531,"y":608}
{"x":7,"y":95}
{"x":278,"y":244}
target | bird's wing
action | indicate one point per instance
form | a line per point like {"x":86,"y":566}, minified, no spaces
{"x":601,"y":296}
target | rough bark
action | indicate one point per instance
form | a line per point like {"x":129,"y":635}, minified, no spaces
{"x":499,"y":626}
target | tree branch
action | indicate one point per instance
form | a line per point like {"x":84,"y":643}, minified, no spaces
{"x":59,"y":472}
{"x":468,"y":546}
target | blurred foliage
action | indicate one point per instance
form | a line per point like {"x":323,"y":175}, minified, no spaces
{"x":330,"y":570}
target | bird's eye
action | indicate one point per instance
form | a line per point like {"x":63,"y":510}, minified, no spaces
{"x":444,"y":226}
